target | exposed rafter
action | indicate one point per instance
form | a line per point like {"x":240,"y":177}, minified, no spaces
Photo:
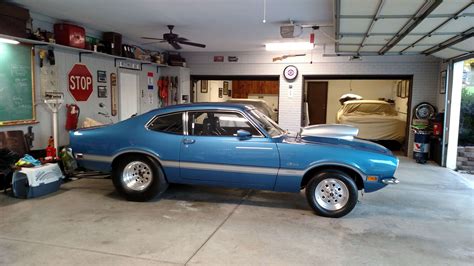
{"x":416,"y":19}
{"x":455,"y":16}
{"x":372,"y":23}
{"x":450,"y":42}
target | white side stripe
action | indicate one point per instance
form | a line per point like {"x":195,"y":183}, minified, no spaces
{"x":253,"y":148}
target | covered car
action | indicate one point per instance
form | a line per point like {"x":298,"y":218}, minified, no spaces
{"x":376,"y":120}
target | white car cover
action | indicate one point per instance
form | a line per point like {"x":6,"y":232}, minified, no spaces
{"x":376,"y":120}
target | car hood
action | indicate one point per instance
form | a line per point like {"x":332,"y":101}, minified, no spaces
{"x":341,"y":135}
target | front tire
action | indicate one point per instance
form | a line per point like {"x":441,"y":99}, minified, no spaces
{"x":332,"y":193}
{"x":138,"y":178}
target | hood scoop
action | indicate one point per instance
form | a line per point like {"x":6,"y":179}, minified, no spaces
{"x":330,"y":131}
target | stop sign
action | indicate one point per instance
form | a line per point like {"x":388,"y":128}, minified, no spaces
{"x":80,"y":82}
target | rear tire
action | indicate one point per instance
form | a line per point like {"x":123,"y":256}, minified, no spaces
{"x":332,"y":193}
{"x":138,"y":178}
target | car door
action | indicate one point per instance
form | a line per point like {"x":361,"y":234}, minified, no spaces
{"x":212,"y":153}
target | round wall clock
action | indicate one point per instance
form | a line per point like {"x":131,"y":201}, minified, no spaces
{"x":290,"y":72}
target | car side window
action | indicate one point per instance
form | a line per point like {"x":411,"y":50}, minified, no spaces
{"x":218,"y":124}
{"x":171,"y":123}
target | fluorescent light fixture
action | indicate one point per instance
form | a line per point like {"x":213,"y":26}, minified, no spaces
{"x":288,"y":46}
{"x":10,"y":41}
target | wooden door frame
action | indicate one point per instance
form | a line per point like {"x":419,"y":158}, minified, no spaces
{"x":307,"y":78}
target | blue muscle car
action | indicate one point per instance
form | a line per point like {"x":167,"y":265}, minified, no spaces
{"x":234,"y":145}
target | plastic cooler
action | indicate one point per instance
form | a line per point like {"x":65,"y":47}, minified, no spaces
{"x":70,"y":35}
{"x":36,"y":181}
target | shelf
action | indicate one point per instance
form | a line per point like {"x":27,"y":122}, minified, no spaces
{"x":79,"y":50}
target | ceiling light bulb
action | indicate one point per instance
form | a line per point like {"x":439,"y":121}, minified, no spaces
{"x":10,"y":41}
{"x":288,"y":46}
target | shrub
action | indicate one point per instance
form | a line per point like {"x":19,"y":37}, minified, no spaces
{"x":466,"y":123}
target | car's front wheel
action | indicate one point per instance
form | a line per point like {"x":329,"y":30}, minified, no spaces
{"x":331,"y":193}
{"x":138,"y":178}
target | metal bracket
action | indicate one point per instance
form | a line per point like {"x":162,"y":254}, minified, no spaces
{"x":80,"y":55}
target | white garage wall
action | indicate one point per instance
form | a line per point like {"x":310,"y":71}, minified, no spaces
{"x":64,"y":62}
{"x":424,"y":70}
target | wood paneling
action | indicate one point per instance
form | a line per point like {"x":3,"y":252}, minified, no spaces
{"x":242,"y":88}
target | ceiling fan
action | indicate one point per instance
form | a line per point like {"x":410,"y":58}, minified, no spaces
{"x":174,"y":40}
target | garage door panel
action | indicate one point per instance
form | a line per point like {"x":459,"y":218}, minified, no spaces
{"x":450,"y":7}
{"x":435,"y":39}
{"x":428,"y":24}
{"x":358,"y":7}
{"x":378,"y":39}
{"x":418,"y":48}
{"x":398,"y":7}
{"x":388,"y":25}
{"x":459,"y":25}
{"x":348,"y":48}
{"x":350,"y":39}
{"x":466,"y":45}
{"x":354,"y":25}
{"x":371,"y":48}
{"x":448,"y":53}
{"x":398,"y":48}
{"x":409,"y":39}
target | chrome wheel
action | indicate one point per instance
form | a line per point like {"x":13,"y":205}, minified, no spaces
{"x":332,"y":194}
{"x":137,"y":175}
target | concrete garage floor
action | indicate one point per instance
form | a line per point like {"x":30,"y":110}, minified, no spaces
{"x":427,"y":219}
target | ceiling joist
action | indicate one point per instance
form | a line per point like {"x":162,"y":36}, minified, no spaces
{"x":416,"y":19}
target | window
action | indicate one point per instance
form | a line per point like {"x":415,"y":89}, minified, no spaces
{"x":269,"y":125}
{"x":218,"y":124}
{"x":172,"y":123}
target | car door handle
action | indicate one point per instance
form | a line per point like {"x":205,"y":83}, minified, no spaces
{"x":188,"y":141}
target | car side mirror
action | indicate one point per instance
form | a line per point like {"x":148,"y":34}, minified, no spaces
{"x":243,"y":134}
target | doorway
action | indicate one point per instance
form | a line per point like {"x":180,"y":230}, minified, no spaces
{"x":128,"y":103}
{"x":260,"y":91}
{"x":379,"y":106}
{"x":317,"y":96}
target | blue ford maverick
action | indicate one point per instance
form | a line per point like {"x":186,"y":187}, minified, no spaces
{"x":235,"y":145}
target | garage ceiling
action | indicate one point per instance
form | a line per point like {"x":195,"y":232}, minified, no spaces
{"x":222,"y":25}
{"x":433,"y":27}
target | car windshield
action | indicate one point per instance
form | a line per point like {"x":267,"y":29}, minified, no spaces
{"x":266,"y":123}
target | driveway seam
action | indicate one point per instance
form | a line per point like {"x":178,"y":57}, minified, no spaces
{"x":220,"y":225}
{"x":87,"y":250}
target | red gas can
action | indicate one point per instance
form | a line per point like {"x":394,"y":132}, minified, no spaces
{"x":70,"y":35}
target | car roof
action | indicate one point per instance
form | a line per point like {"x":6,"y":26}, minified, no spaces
{"x":201,"y":106}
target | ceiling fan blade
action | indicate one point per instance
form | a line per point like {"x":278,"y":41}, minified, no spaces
{"x":181,"y":39}
{"x":151,"y":38}
{"x":193,"y":44}
{"x":147,"y":43}
{"x":175,"y":45}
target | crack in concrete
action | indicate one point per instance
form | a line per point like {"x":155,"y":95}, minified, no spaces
{"x":246,"y":196}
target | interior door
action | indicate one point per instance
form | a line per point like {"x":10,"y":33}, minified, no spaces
{"x":212,"y":154}
{"x":128,"y":104}
{"x":317,"y":96}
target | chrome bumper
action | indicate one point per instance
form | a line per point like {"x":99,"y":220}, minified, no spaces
{"x":390,"y":181}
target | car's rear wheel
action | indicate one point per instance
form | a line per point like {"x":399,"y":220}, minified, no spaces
{"x":138,"y":178}
{"x":331,"y":193}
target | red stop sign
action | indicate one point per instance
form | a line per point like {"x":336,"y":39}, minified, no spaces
{"x":80,"y":82}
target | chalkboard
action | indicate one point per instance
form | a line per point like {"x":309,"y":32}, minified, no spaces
{"x":16,"y":84}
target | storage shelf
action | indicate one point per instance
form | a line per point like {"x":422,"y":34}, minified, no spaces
{"x":79,"y":50}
